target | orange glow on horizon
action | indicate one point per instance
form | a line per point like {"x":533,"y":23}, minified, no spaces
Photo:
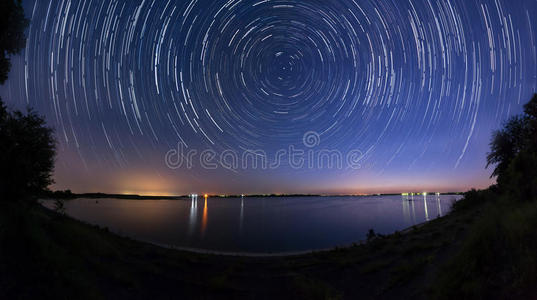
{"x":144,"y":184}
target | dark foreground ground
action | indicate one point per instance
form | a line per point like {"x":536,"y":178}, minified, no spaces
{"x":45,"y":255}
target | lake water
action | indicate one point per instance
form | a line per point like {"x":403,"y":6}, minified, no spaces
{"x":258,"y":225}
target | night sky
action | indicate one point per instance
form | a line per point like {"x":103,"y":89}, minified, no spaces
{"x":414,"y":86}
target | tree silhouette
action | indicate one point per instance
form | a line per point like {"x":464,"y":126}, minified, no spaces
{"x":530,"y":110}
{"x":27,"y":146}
{"x":27,"y":150}
{"x":505,"y":145}
{"x":513,"y":152}
{"x":12,"y":37}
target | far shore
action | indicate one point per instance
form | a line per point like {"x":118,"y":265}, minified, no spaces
{"x":69,"y":195}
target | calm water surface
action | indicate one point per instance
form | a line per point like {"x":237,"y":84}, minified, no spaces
{"x":258,"y":225}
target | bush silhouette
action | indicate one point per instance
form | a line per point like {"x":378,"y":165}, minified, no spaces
{"x":27,"y":150}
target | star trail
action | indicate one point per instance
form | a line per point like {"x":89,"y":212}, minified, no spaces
{"x":417,"y":86}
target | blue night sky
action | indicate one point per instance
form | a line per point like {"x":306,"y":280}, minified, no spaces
{"x":411,"y":88}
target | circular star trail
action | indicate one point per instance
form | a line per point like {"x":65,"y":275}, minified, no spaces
{"x":413,"y":84}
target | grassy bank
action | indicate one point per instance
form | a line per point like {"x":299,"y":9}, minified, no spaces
{"x":498,"y":259}
{"x":48,"y":255}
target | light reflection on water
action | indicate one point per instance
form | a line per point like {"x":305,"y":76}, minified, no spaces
{"x":204,"y":219}
{"x":259,"y":225}
{"x":193,"y":214}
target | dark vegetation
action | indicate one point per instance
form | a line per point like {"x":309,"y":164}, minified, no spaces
{"x":27,"y":146}
{"x":27,"y":159}
{"x":514,"y":155}
{"x":12,"y":38}
{"x":486,"y":248}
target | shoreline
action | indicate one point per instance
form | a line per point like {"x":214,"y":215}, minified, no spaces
{"x":272,"y":254}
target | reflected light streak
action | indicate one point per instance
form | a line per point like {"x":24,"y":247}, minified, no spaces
{"x":439,"y":206}
{"x":413,"y":210}
{"x":406,"y":208}
{"x":193,"y":214}
{"x":242,"y":213}
{"x":425,"y":206}
{"x":204,"y":218}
